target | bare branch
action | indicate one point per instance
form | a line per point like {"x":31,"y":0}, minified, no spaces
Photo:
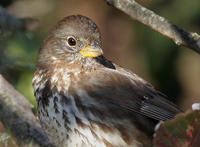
{"x":10,"y":24}
{"x":179,"y":35}
{"x":18,"y":119}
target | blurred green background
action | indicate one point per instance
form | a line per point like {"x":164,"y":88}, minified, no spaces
{"x":172,"y":69}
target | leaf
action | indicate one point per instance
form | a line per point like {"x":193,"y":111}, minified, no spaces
{"x":182,"y":131}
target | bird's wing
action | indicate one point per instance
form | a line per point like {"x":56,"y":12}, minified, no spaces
{"x":125,"y":89}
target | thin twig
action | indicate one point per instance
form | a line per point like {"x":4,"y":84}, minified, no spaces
{"x":137,"y":12}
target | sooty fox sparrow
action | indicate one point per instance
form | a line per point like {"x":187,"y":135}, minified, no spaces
{"x":86,"y":100}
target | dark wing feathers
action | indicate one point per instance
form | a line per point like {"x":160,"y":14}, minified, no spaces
{"x":147,"y":102}
{"x":127,"y":90}
{"x":155,"y":112}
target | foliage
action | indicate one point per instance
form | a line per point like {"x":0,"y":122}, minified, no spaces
{"x":182,"y":131}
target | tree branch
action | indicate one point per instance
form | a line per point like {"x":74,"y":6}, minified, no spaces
{"x":179,"y":35}
{"x":18,"y":119}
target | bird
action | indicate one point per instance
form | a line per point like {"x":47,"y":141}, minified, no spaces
{"x":86,"y":100}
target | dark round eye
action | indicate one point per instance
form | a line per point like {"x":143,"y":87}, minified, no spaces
{"x":71,"y":41}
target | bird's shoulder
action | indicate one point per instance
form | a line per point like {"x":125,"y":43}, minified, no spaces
{"x":119,"y":86}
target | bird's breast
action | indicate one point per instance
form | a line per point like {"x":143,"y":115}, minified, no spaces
{"x":68,"y":124}
{"x":71,"y":117}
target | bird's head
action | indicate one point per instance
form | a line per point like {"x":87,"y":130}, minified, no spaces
{"x":74,"y":38}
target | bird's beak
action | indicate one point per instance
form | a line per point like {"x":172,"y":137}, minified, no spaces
{"x":90,"y":51}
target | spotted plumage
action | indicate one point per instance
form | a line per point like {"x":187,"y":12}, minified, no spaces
{"x":86,"y":100}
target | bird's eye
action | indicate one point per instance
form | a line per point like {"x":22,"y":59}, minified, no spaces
{"x":71,"y":41}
